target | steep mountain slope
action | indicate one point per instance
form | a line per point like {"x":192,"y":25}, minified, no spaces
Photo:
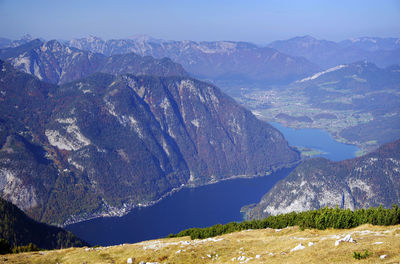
{"x":220,"y":60}
{"x":18,"y":229}
{"x":381,"y":51}
{"x":101,"y":145}
{"x":371,"y":180}
{"x":57,"y":63}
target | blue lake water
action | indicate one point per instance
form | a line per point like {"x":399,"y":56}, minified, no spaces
{"x":319,"y":140}
{"x":203,"y":206}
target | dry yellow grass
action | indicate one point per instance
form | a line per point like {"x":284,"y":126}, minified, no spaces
{"x":250,"y":246}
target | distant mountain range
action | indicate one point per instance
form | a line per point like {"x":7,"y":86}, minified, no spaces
{"x":280,"y":62}
{"x":104,"y":144}
{"x":219,"y":60}
{"x":370,"y":180}
{"x":381,"y":51}
{"x":8,"y":43}
{"x":94,"y":128}
{"x":243,"y":60}
{"x":20,"y":230}
{"x":57,"y":63}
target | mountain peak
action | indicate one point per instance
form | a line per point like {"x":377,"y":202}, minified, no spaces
{"x":93,"y":38}
{"x":306,"y":37}
{"x":141,"y":37}
{"x":53,"y":45}
{"x":27,"y":37}
{"x":90,"y":38}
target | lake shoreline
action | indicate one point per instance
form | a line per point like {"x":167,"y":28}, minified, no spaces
{"x":190,"y":206}
{"x":325,"y":141}
{"x":127,"y":208}
{"x":199,"y":204}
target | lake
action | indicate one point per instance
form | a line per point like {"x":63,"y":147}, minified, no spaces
{"x":203,"y":206}
{"x":319,"y":140}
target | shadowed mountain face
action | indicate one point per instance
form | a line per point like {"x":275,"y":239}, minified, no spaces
{"x":18,"y":229}
{"x":371,"y":180}
{"x":103,"y":144}
{"x":57,"y":63}
{"x":381,"y":51}
{"x":220,"y":60}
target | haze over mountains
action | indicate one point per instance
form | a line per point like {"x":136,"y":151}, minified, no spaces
{"x":8,"y":43}
{"x":57,"y":63}
{"x":208,"y":60}
{"x":195,"y":55}
{"x":219,"y":60}
{"x":381,"y":51}
{"x":98,"y":127}
{"x":281,"y":62}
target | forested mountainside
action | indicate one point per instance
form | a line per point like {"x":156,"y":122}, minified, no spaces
{"x":381,"y":51}
{"x":218,"y":60}
{"x":104,"y":144}
{"x":370,"y":180}
{"x":57,"y":63}
{"x":19,"y":230}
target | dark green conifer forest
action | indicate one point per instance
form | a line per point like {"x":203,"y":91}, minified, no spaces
{"x":19,"y":233}
{"x":319,"y":219}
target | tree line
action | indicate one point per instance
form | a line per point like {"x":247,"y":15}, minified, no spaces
{"x":322,"y":218}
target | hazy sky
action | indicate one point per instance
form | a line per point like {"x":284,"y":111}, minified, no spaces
{"x":259,"y":21}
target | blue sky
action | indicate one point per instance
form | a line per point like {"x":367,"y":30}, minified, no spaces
{"x":259,"y":21}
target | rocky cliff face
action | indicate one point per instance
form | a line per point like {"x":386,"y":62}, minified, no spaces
{"x":57,"y":63}
{"x":371,"y":180}
{"x":104,"y":144}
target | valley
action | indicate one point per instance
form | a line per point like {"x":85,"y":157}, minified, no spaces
{"x":168,"y":132}
{"x":291,"y":108}
{"x":114,"y":136}
{"x":339,"y":101}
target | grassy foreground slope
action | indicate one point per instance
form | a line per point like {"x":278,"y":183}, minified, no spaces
{"x":248,"y":246}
